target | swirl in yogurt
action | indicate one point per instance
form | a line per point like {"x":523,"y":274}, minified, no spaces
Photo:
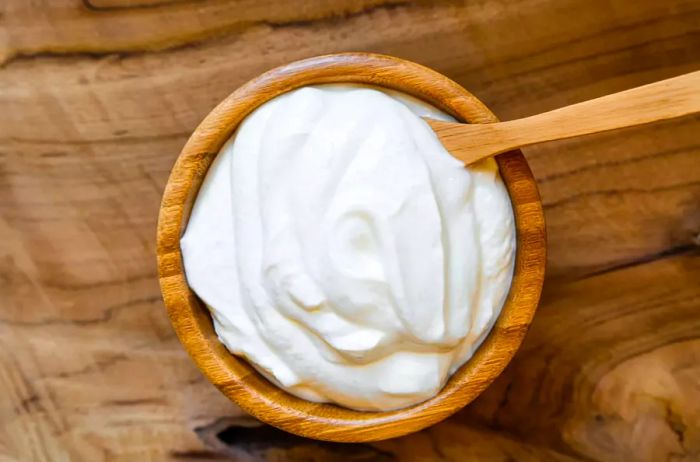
{"x":344,"y":253}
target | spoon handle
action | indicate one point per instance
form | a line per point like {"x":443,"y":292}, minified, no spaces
{"x":657,"y":101}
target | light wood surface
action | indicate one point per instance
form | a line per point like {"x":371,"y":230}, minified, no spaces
{"x":97,"y":102}
{"x":655,"y":102}
{"x":234,"y":376}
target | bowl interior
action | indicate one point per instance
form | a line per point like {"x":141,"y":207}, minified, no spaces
{"x":234,"y":376}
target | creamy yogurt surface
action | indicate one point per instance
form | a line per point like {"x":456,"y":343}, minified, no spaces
{"x":344,"y":253}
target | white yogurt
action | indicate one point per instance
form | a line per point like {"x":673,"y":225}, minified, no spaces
{"x":345,"y":253}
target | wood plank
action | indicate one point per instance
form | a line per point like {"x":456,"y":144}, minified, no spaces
{"x":615,"y":199}
{"x":95,"y":27}
{"x":96,"y":102}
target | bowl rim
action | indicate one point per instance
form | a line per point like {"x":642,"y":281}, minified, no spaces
{"x":239,"y":381}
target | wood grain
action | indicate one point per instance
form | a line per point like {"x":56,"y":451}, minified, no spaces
{"x":234,"y":376}
{"x":625,"y":385}
{"x":93,"y":114}
{"x":655,"y":102}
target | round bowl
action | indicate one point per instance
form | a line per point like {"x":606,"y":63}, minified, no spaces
{"x":234,"y":376}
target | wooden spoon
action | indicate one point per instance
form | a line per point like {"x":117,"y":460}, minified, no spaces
{"x":662,"y":100}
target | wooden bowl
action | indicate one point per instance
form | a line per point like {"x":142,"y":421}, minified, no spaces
{"x":234,"y":376}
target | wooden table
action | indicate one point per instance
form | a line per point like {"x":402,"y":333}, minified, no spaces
{"x":98,"y":96}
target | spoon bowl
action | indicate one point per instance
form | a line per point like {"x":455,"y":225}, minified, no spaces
{"x":237,"y":379}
